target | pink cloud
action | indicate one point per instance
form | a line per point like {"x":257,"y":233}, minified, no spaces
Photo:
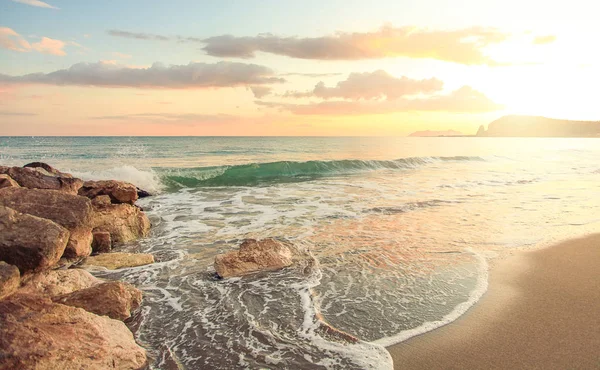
{"x":464,"y":100}
{"x":49,"y":46}
{"x":11,"y":40}
{"x":371,"y":86}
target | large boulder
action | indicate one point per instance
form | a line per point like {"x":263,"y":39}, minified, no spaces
{"x":7,"y":182}
{"x":30,"y":242}
{"x":39,"y":334}
{"x":117,"y":260}
{"x":38,"y":178}
{"x":47,"y":169}
{"x":70,"y":211}
{"x":114,"y":299}
{"x":124,"y":222}
{"x":53,"y":283}
{"x":254,"y":255}
{"x":9,"y":279}
{"x":118,"y":191}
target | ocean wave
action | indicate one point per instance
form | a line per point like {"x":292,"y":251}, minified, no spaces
{"x":287,"y":171}
{"x":161,"y":179}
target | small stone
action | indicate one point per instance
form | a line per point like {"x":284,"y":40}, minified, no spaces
{"x":101,"y":242}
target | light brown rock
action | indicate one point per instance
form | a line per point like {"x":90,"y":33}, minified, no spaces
{"x":7,"y":182}
{"x":80,"y":243}
{"x":29,"y":242}
{"x":53,"y":283}
{"x":35,"y":178}
{"x":118,"y":191}
{"x":39,"y":334}
{"x":101,"y":242}
{"x":124,"y":222}
{"x":114,"y":299}
{"x":9,"y":279}
{"x":70,"y":211}
{"x":253,"y":256}
{"x":117,"y":260}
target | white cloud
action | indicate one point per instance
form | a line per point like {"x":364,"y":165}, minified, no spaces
{"x":36,"y":3}
{"x":190,"y":76}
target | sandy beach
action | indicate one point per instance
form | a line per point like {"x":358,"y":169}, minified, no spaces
{"x":542,"y":311}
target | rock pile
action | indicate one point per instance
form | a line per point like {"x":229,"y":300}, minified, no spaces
{"x":66,"y":318}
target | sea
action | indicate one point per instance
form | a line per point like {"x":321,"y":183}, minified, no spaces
{"x":397,"y":234}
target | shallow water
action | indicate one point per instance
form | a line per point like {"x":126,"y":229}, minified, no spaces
{"x":396,"y":234}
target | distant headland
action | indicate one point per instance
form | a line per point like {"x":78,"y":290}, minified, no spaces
{"x":525,"y":126}
{"x":535,"y":126}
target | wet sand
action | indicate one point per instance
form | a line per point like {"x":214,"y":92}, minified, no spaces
{"x":542,"y":311}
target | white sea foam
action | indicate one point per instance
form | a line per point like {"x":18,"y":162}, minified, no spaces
{"x":476,"y":294}
{"x":144,"y":179}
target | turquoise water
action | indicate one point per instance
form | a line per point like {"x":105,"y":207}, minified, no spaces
{"x":399,"y":233}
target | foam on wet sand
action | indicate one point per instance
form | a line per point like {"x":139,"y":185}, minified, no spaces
{"x":541,"y":311}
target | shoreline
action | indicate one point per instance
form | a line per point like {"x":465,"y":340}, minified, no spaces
{"x":540,"y":311}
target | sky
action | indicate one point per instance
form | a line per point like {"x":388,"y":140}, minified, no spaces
{"x":343,"y":68}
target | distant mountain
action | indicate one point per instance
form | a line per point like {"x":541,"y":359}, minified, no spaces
{"x":437,"y":133}
{"x":534,"y":126}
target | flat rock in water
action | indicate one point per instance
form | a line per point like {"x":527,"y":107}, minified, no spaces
{"x":38,"y":178}
{"x":39,"y":334}
{"x":118,"y":191}
{"x":114,"y":299}
{"x":28,"y":242}
{"x":254,"y":256}
{"x":53,"y":283}
{"x":117,"y":260}
{"x":7,"y":182}
{"x":9,"y":279}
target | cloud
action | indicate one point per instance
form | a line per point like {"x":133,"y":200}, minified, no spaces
{"x":118,"y":55}
{"x":37,"y":3}
{"x":49,"y":46}
{"x":11,"y":40}
{"x":139,"y":36}
{"x":314,"y":75}
{"x":260,"y":91}
{"x":190,"y":76}
{"x":372,"y":85}
{"x":541,"y":40}
{"x":463,"y":100}
{"x":171,"y":118}
{"x":462,"y":46}
{"x":18,"y":114}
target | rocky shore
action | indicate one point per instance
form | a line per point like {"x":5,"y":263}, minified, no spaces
{"x":53,"y":313}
